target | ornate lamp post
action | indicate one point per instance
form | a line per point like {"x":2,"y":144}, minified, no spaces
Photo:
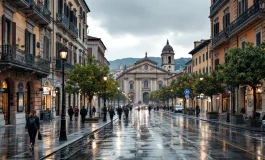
{"x":118,"y":96}
{"x":63,"y":137}
{"x":105,"y":78}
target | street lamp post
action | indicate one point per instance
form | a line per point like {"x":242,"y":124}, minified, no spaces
{"x":63,"y":137}
{"x":105,"y":78}
{"x":118,"y":96}
{"x":227,"y":112}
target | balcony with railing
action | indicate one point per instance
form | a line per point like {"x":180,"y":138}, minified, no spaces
{"x":220,"y":37}
{"x":58,"y":66}
{"x":246,"y":19}
{"x":38,"y":12}
{"x":73,"y":30}
{"x":62,"y":21}
{"x":21,"y":3}
{"x":12,"y":57}
{"x":216,"y":5}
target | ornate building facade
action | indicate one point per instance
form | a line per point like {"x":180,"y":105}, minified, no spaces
{"x":143,"y":77}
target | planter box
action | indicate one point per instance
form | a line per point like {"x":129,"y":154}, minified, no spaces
{"x":191,"y":112}
{"x":212,"y":115}
{"x":253,"y":123}
{"x":237,"y":119}
{"x":184,"y":111}
{"x":92,"y":120}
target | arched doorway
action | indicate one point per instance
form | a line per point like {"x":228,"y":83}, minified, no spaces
{"x":57,"y":101}
{"x":145,"y":98}
{"x":6,"y":101}
{"x":27,"y":98}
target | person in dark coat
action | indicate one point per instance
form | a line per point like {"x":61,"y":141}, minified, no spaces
{"x":33,"y":125}
{"x":71,"y":113}
{"x":149,"y":109}
{"x":197,"y":110}
{"x":111,"y":113}
{"x":126,"y":112}
{"x":76,"y":112}
{"x":119,"y":112}
{"x":83,"y":113}
{"x":94,"y":111}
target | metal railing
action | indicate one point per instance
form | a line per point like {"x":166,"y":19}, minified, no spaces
{"x":73,"y":29}
{"x":215,"y":5}
{"x":41,"y":9}
{"x":21,"y":58}
{"x":63,"y":19}
{"x":254,"y":9}
{"x":58,"y":65}
{"x":223,"y":34}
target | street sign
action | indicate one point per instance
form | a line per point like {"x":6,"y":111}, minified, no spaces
{"x":187,"y":96}
{"x":187,"y":91}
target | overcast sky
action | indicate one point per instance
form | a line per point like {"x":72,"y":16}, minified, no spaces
{"x":129,"y":28}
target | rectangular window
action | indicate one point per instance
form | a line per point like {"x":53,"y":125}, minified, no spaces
{"x":206,"y":56}
{"x":46,"y":48}
{"x":193,"y":63}
{"x":80,"y":30}
{"x":203,"y":58}
{"x":199,"y":59}
{"x":196,"y":62}
{"x":243,"y":45}
{"x":216,"y":64}
{"x":131,"y":86}
{"x":206,"y":70}
{"x":258,"y":38}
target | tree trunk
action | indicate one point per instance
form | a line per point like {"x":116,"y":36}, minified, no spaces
{"x":99,"y":107}
{"x":90,"y":110}
{"x":233,"y":100}
{"x":172,"y":102}
{"x":254,"y":96}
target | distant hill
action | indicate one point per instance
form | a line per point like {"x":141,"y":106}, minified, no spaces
{"x":115,"y":65}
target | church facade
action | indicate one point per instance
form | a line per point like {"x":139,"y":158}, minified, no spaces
{"x":144,"y":76}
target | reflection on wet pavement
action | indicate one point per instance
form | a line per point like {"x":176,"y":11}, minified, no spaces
{"x":171,"y":136}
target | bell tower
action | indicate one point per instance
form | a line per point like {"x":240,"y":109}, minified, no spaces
{"x":167,"y":56}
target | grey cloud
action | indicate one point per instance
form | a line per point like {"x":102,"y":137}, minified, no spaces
{"x":149,"y":17}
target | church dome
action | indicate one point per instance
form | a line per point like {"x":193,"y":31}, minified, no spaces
{"x":167,"y":48}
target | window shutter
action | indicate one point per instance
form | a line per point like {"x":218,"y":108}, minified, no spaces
{"x":65,"y":9}
{"x":3,"y":29}
{"x":258,"y":39}
{"x":14,"y":41}
{"x":239,"y":7}
{"x":56,"y":50}
{"x":224,"y":21}
{"x":27,"y":43}
{"x":34,"y":44}
{"x":47,"y":47}
{"x":243,"y":45}
{"x":214,"y":30}
{"x":206,"y":56}
{"x":228,"y":19}
{"x":216,"y":64}
{"x":246,"y":5}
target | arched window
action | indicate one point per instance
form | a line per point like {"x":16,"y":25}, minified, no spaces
{"x":146,"y":84}
{"x":169,"y":59}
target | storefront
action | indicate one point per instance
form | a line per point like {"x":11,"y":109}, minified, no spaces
{"x":5,"y":102}
{"x":226,"y":101}
{"x":46,"y":102}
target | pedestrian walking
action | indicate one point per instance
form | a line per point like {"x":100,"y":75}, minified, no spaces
{"x":149,"y":109}
{"x":126,"y":112}
{"x":119,"y":112}
{"x":83,"y":113}
{"x":197,"y":110}
{"x":94,"y":111}
{"x":76,"y":111}
{"x":71,"y":113}
{"x":33,"y":125}
{"x":111,"y":113}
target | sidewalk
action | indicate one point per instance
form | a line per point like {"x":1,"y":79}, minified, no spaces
{"x":14,"y":140}
{"x":223,"y":121}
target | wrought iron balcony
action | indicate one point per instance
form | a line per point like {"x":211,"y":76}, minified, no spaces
{"x":12,"y":57}
{"x":21,"y":3}
{"x":221,"y":37}
{"x":216,"y":5}
{"x":246,"y":19}
{"x":58,"y":66}
{"x":38,"y":12}
{"x":73,"y":29}
{"x":62,"y":21}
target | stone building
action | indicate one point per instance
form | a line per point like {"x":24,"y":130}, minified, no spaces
{"x":32,"y":33}
{"x":233,"y":23}
{"x":143,"y":77}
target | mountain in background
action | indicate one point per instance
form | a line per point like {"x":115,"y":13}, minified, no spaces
{"x":115,"y":65}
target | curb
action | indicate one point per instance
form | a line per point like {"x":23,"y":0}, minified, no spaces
{"x":244,"y":128}
{"x":85,"y":135}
